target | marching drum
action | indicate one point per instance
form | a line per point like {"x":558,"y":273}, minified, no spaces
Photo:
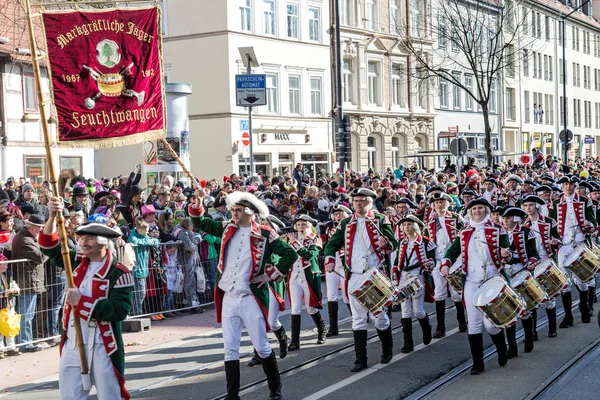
{"x":411,"y":287}
{"x":552,"y":279}
{"x":374,"y":290}
{"x":532,"y":292}
{"x":583,"y":262}
{"x":499,"y":302}
{"x":455,"y":276}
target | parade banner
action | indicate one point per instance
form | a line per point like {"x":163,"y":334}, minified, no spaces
{"x":106,"y":69}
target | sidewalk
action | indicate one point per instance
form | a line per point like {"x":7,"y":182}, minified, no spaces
{"x":33,"y":366}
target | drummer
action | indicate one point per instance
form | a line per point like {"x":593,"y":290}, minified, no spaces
{"x":334,"y":279}
{"x":484,"y":247}
{"x":442,"y":228}
{"x":547,"y":241}
{"x":404,"y":207}
{"x":368,"y":240}
{"x":522,"y":245}
{"x":425,"y":208}
{"x":590,"y":190}
{"x":545,"y":193}
{"x":512,"y":192}
{"x":416,"y":255}
{"x":467,"y":195}
{"x":491,"y":191}
{"x":575,"y":217}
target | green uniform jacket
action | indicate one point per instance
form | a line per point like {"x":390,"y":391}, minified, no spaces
{"x":583,"y":208}
{"x":264,"y":242}
{"x":309,"y":250}
{"x":523,"y":246}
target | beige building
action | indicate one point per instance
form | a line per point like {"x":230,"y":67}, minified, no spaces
{"x":391,"y":112}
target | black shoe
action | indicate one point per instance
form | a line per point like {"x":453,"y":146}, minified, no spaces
{"x":283,"y":341}
{"x":511,"y":337}
{"x":426,"y":327}
{"x":476,"y":344}
{"x":295,"y":341}
{"x":169,"y":315}
{"x":321,"y":329}
{"x":440,"y":316}
{"x":528,"y":328}
{"x":232,"y":374}
{"x":255,"y":361}
{"x":360,"y":350}
{"x":269,"y":365}
{"x":500,"y":344}
{"x":567,"y":301}
{"x":408,"y":338}
{"x":387,"y":345}
{"x":551,"y":322}
{"x":460,"y":316}
{"x":32,"y":349}
{"x":332,"y":310}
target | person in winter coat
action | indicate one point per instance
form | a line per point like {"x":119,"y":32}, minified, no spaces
{"x":189,"y":260}
{"x":142,"y":242}
{"x":171,"y":267}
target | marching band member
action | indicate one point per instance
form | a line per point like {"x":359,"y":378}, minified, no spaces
{"x":304,"y":279}
{"x":368,"y":240}
{"x":484,"y":247}
{"x":575,"y":218}
{"x":467,"y":196}
{"x":442,"y":228}
{"x":416,"y":255}
{"x":589,"y":190}
{"x":102,"y":299}
{"x":545,"y":231}
{"x":243,"y":274}
{"x":403,"y":207}
{"x":522,"y":244}
{"x":512,"y":193}
{"x":595,"y":196}
{"x":491,"y":191}
{"x":334,"y":279}
{"x":425,"y":210}
{"x":545,"y":193}
{"x":495,"y":215}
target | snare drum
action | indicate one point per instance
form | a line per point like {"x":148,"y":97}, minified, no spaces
{"x":455,"y":276}
{"x":500,"y":304}
{"x":374,"y":290}
{"x":532,"y":292}
{"x":411,"y":287}
{"x":552,"y":279}
{"x":583,"y":263}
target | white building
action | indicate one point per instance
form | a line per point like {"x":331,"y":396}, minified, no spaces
{"x":291,"y":43}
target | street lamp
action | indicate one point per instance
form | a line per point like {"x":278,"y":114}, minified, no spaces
{"x":564,"y":63}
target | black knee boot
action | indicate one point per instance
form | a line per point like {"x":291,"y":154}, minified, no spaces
{"x":440,"y":316}
{"x":320,"y":324}
{"x":255,"y":360}
{"x":332,"y":310}
{"x":591,"y":292}
{"x":283,"y":341}
{"x":426,"y":327}
{"x":408,"y":337}
{"x":534,"y":319}
{"x":269,"y":365}
{"x":528,"y":328}
{"x":360,"y":350}
{"x":232,"y":374}
{"x":295,"y":341}
{"x":387,"y":345}
{"x":511,"y":337}
{"x":476,"y":344}
{"x":500,"y":343}
{"x":460,"y":316}
{"x":567,"y":301}
{"x":551,"y":322}
{"x":583,"y":306}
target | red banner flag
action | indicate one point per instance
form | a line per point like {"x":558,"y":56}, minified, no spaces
{"x":106,"y":69}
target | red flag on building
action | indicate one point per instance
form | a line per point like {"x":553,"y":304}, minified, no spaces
{"x":106,"y":69}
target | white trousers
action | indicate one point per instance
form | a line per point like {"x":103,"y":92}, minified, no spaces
{"x":413,"y":306}
{"x":334,"y":282}
{"x":299,"y":293}
{"x":102,"y":374}
{"x":240,"y":312}
{"x":360,"y":313}
{"x":441,"y":286}
{"x":476,"y":320}
{"x":273,"y":312}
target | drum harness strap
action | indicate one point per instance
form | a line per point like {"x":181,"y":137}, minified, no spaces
{"x":406,"y":259}
{"x":482,"y":255}
{"x":361,"y":240}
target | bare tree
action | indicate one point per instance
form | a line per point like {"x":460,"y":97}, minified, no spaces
{"x":486,"y":39}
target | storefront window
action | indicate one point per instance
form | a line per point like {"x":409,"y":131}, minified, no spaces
{"x":316,"y":165}
{"x":71,"y":163}
{"x":262,"y":164}
{"x":372,"y":151}
{"x":286,"y":164}
{"x":35,"y":170}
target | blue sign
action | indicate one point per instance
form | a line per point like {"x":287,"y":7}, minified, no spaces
{"x":251,"y":90}
{"x":589,"y":140}
{"x":244,"y":126}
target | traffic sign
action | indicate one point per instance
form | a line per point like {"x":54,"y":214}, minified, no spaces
{"x":446,"y":135}
{"x":453,"y":129}
{"x":589,"y":140}
{"x":251,"y":90}
{"x":246,"y":152}
{"x":561,"y":136}
{"x":245,"y":138}
{"x":458,"y":147}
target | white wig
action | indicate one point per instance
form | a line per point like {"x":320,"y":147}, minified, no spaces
{"x":252,"y":205}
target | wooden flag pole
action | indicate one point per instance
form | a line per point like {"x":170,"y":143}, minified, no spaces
{"x":181,"y":164}
{"x":60,"y":220}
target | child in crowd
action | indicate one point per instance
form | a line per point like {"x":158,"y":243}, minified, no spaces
{"x":142,"y":242}
{"x":8,"y":290}
{"x":171,"y":266}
